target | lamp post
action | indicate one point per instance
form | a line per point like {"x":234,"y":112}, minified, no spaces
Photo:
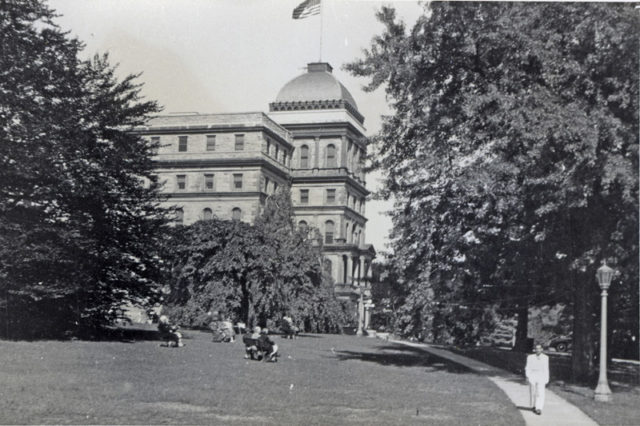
{"x":604,"y":275}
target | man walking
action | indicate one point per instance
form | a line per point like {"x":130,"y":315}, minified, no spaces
{"x":537,"y":372}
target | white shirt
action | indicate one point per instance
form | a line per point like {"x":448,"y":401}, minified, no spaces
{"x":537,"y":369}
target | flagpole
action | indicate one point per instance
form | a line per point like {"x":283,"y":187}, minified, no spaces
{"x":320,"y":60}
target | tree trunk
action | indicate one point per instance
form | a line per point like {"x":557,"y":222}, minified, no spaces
{"x":582,"y":358}
{"x":522,"y":334}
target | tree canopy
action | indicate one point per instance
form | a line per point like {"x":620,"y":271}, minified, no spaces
{"x":512,"y":156}
{"x":253,"y":273}
{"x":79,"y":228}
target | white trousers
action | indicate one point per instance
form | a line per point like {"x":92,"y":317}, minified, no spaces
{"x":536,"y":394}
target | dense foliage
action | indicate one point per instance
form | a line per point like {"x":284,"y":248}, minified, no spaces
{"x":78,"y":228}
{"x":512,"y":155}
{"x":253,"y":273}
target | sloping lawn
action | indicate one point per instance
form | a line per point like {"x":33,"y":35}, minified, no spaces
{"x":319,"y":379}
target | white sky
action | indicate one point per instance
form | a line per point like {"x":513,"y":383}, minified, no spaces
{"x":213,"y":56}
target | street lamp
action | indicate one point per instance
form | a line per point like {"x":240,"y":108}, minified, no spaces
{"x":604,"y":275}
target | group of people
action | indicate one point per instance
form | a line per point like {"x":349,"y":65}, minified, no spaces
{"x":258,"y":345}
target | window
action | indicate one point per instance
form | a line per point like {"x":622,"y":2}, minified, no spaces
{"x":207,"y":214}
{"x":302,"y":226}
{"x":331,"y":196}
{"x":236,"y":214}
{"x":237,"y":181}
{"x":268,"y":147}
{"x":346,"y":232}
{"x":182,"y":144}
{"x":181,"y":182}
{"x":328,"y":232}
{"x":179,"y":216}
{"x":239,"y":143}
{"x":304,"y":157}
{"x":211,"y":142}
{"x":304,"y":196}
{"x":331,"y":156}
{"x":277,"y":153}
{"x":208,"y":181}
{"x":275,"y":187}
{"x":266,"y":184}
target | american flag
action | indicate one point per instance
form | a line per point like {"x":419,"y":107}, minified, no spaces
{"x":306,"y":8}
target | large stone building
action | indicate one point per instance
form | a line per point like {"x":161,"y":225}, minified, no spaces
{"x":225,"y":165}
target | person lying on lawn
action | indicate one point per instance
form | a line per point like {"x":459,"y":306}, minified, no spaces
{"x":268,"y":346}
{"x":169,"y":332}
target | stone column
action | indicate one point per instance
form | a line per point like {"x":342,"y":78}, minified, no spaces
{"x":316,"y":160}
{"x":343,"y":152}
{"x":367,"y":317}
{"x":360,"y":331}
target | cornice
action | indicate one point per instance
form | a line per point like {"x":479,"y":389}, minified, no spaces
{"x":330,"y":207}
{"x":202,"y":129}
{"x":223,"y":162}
{"x":317,"y":105}
{"x":331,"y":179}
{"x":182,"y":195}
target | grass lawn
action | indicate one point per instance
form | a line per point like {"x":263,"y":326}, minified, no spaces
{"x":319,"y":379}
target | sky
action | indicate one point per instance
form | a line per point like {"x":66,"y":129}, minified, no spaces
{"x":214,"y":56}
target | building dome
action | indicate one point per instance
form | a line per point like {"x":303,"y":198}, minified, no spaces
{"x":316,"y":89}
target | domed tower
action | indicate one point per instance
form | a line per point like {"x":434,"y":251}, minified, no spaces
{"x":328,"y":187}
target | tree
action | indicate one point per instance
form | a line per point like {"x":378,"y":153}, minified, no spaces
{"x":79,"y":228}
{"x":512,"y":155}
{"x":256,"y":274}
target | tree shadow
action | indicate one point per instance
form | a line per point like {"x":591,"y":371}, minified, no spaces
{"x":403,"y":356}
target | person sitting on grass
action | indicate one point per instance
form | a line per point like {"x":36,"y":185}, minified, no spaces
{"x":289,"y":329}
{"x":169,"y":332}
{"x":251,"y":344}
{"x":268,"y":346}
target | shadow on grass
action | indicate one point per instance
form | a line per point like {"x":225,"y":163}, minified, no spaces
{"x":404,"y":356}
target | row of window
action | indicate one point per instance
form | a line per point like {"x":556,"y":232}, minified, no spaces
{"x":329,"y":229}
{"x":207,"y":214}
{"x":183,"y":142}
{"x":239,"y":144}
{"x":181,"y":182}
{"x":276,"y":152}
{"x":330,"y":196}
{"x":330,"y":157}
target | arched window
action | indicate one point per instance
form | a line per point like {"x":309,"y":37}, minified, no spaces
{"x":327,"y":267}
{"x":207,"y":214}
{"x":331,"y":156}
{"x":304,"y":157}
{"x":179,"y":216}
{"x":302,"y":226}
{"x":236,"y":213}
{"x":328,"y":232}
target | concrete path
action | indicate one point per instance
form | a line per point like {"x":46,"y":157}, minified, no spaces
{"x":557,"y":411}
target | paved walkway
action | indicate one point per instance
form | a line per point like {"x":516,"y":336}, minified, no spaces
{"x":557,"y":411}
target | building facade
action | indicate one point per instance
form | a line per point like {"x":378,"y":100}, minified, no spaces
{"x":313,"y":138}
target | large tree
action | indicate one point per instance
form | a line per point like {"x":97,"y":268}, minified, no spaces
{"x":254,"y":273}
{"x":79,"y":227}
{"x":512,"y":154}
